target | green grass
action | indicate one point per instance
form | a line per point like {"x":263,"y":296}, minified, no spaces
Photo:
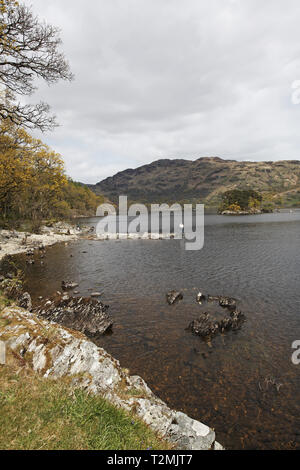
{"x":51,"y":415}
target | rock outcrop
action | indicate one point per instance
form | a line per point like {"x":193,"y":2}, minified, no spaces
{"x":13,"y":243}
{"x":55,"y":351}
{"x":86,"y":315}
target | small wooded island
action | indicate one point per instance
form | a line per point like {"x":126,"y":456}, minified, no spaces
{"x":244,"y":202}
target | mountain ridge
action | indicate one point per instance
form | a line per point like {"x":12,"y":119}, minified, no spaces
{"x":203,"y":180}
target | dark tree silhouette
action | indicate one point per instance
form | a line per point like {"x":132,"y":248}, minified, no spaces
{"x":29,"y":49}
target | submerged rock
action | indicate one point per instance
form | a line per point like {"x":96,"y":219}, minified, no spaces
{"x":223,"y":301}
{"x":204,"y":326}
{"x":174,"y":296}
{"x":227,"y":302}
{"x":83,"y":314}
{"x":31,"y":262}
{"x":68,"y":285}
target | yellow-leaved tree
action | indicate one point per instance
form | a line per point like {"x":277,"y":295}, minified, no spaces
{"x":32,"y":176}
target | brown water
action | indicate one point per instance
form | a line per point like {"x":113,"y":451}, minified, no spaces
{"x":225,"y":384}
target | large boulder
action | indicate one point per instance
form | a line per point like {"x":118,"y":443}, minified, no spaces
{"x":83,"y":314}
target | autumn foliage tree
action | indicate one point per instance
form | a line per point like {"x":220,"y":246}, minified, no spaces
{"x":32,"y":176}
{"x":33,"y":184}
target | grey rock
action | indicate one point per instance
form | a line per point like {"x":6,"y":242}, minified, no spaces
{"x":187,"y":433}
{"x":68,"y":285}
{"x":25,"y":301}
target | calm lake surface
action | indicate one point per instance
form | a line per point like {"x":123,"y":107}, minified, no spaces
{"x":243,"y":384}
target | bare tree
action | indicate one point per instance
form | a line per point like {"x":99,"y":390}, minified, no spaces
{"x":29,"y":49}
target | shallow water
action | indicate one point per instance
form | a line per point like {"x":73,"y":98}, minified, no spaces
{"x":224,"y":384}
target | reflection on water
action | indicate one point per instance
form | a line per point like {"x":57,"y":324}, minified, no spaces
{"x":232,"y":383}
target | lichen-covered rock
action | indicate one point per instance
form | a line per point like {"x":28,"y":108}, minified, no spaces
{"x":55,"y":351}
{"x":82,"y":314}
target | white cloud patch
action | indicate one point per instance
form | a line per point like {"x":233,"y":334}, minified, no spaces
{"x":158,"y":79}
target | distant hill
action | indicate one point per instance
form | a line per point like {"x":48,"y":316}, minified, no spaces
{"x":204,"y":180}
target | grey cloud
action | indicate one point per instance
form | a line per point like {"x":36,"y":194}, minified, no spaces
{"x":168,"y":78}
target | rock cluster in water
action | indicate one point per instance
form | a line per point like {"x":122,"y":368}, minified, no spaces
{"x":208,"y":325}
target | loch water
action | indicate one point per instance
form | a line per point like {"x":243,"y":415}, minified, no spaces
{"x":242,"y":383}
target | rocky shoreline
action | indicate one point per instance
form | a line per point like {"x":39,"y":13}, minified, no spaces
{"x":44,"y":341}
{"x":13,"y":242}
{"x":248,"y":212}
{"x":55,"y":352}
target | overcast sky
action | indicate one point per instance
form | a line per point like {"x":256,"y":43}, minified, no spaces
{"x":174,"y":79}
